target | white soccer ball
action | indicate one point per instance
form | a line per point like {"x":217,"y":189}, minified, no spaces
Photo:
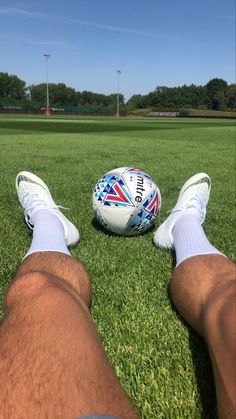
{"x":126,"y":201}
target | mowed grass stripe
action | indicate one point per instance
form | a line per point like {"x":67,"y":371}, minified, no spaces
{"x":103,"y":125}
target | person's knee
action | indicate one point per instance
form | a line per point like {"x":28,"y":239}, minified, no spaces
{"x":27,"y":286}
{"x":33,"y":284}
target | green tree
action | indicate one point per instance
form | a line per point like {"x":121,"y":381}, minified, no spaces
{"x":231,"y":96}
{"x":136,"y":102}
{"x":220,"y":100}
{"x":59,"y":94}
{"x":38,"y":93}
{"x":216,"y":91}
{"x":11,"y":87}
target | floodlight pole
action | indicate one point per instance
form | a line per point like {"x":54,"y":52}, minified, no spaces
{"x":47,"y":110}
{"x":118,"y":94}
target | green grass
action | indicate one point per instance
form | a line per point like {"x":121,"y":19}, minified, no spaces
{"x":163,"y":364}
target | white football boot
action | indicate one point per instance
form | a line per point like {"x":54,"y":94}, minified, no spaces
{"x":193,"y":199}
{"x":34,"y":196}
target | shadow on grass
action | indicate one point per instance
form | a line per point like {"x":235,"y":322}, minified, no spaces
{"x":204,"y":375}
{"x":97,"y":226}
{"x":202,"y":369}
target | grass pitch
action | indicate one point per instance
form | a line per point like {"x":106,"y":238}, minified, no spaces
{"x":161,"y":362}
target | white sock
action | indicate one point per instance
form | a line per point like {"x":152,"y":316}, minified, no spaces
{"x":190,"y":239}
{"x":48,"y":234}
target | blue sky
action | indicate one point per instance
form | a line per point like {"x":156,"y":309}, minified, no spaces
{"x":153,"y":42}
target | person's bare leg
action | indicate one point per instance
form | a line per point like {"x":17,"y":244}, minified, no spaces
{"x":203,"y":289}
{"x":203,"y":286}
{"x":52,"y":360}
{"x":52,"y":363}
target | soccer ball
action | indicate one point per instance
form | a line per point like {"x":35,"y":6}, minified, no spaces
{"x":126,"y":201}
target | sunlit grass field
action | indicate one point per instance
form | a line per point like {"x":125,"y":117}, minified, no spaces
{"x":161,"y":362}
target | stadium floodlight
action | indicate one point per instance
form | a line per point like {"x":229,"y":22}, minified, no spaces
{"x":47,"y":110}
{"x":118,"y":94}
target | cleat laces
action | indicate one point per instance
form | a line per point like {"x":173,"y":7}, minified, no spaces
{"x":32,"y":201}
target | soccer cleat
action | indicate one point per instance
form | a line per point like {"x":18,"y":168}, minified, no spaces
{"x":34,"y":196}
{"x":193,"y":199}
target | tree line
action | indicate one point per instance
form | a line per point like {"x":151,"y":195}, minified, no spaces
{"x":61,"y":96}
{"x":217,"y":94}
{"x":14,"y":91}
